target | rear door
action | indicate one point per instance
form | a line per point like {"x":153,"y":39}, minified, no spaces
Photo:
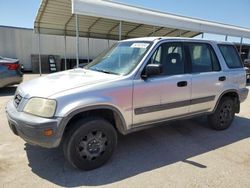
{"x":207,"y":78}
{"x":236,"y":74}
{"x":167,"y":95}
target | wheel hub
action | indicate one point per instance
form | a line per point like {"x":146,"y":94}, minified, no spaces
{"x":92,"y":145}
{"x":225,"y":114}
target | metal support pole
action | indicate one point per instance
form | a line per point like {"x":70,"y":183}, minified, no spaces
{"x":154,"y":31}
{"x":65,"y":52}
{"x":241,"y":40}
{"x":120,"y":31}
{"x":202,"y":35}
{"x":77,"y":42}
{"x":226,"y":38}
{"x":88,"y":50}
{"x":39,"y":55}
{"x":108,"y":43}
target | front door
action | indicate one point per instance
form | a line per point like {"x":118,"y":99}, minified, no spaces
{"x":166,"y":95}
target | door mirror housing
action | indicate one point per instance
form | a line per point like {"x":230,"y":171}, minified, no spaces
{"x":152,"y":70}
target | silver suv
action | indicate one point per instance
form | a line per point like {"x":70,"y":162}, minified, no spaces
{"x":132,"y":86}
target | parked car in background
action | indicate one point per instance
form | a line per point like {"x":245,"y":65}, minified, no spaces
{"x":247,"y":73}
{"x":10,"y":72}
{"x":247,"y":66}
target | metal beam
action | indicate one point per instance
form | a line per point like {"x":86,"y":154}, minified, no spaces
{"x":112,"y":29}
{"x":226,"y":38}
{"x":41,"y":15}
{"x":66,"y":24}
{"x":39,"y":55}
{"x":183,"y":34}
{"x":171,"y":32}
{"x":65,"y":52}
{"x":93,"y":24}
{"x":120,"y":31}
{"x":88,"y":49}
{"x":132,"y":30}
{"x":241,"y":40}
{"x":155,"y":31}
{"x":77,"y":41}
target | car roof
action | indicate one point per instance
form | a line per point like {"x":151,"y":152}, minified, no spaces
{"x":183,"y":39}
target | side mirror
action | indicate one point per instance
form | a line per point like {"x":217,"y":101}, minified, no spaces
{"x":152,"y":70}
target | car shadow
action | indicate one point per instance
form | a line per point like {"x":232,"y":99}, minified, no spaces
{"x":7,"y":91}
{"x":140,"y":152}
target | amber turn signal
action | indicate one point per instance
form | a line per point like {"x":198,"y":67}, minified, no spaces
{"x":48,"y":132}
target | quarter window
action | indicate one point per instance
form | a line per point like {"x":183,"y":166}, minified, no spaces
{"x":231,"y":56}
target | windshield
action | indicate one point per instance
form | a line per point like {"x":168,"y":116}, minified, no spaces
{"x":120,"y":59}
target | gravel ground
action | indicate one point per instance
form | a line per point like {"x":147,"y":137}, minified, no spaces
{"x":182,"y":154}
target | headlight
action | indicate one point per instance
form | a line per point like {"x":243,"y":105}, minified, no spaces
{"x":41,"y":107}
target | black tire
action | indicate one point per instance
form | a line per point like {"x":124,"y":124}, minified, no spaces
{"x":90,"y":143}
{"x":224,"y":114}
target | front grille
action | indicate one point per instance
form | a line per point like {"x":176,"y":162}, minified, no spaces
{"x":17,"y":100}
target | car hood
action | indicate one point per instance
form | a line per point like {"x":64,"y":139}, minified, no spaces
{"x":51,"y":84}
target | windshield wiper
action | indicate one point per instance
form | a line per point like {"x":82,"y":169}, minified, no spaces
{"x":105,"y":71}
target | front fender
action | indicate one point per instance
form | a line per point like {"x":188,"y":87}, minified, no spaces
{"x":74,"y":108}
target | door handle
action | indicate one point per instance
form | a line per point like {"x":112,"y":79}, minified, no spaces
{"x":182,"y":84}
{"x":222,"y":78}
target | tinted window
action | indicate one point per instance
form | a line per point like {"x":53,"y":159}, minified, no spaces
{"x":231,"y":56}
{"x":171,"y":57}
{"x":203,"y":58}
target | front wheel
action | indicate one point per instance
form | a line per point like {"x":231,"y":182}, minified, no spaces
{"x":224,"y":114}
{"x":90,"y":143}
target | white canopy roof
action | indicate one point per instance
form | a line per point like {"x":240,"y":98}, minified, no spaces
{"x":101,"y":19}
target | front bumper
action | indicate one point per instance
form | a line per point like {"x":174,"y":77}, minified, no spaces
{"x":31,"y":128}
{"x":243,"y":94}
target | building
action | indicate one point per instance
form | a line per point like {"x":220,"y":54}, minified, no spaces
{"x":22,"y":43}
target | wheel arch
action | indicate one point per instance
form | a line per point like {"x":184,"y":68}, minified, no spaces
{"x":107,"y":112}
{"x":233,"y":93}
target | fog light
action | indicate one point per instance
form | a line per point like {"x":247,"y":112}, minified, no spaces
{"x":48,"y":132}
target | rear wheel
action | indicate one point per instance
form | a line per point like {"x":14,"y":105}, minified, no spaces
{"x":224,"y":114}
{"x":90,"y":143}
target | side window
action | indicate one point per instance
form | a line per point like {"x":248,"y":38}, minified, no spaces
{"x":203,"y":58}
{"x":156,"y":58}
{"x":231,"y":56}
{"x":171,"y":57}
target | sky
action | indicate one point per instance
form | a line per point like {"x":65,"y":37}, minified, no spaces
{"x":22,"y":13}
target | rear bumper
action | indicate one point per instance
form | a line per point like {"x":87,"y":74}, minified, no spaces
{"x":31,"y":128}
{"x":243,"y":94}
{"x":11,"y":81}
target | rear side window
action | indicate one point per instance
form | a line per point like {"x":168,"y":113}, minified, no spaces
{"x":203,"y":58}
{"x":231,"y":56}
